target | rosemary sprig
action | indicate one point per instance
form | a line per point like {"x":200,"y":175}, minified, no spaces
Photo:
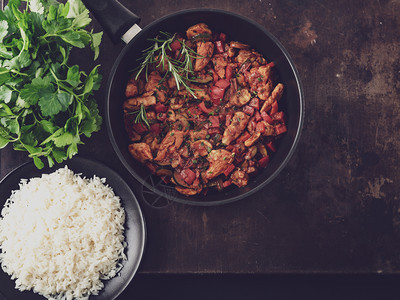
{"x":141,"y":116}
{"x":157,"y":55}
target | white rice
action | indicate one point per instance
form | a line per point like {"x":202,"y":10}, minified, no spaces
{"x":60,"y":234}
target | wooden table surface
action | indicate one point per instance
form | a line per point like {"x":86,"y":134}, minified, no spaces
{"x":335,"y":207}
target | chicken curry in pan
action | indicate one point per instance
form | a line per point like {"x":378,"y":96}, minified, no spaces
{"x":202,"y":112}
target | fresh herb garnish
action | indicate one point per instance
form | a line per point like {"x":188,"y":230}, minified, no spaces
{"x":141,"y":116}
{"x":157,"y":56}
{"x":45,"y":103}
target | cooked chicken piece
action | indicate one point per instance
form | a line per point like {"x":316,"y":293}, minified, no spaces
{"x":200,"y":92}
{"x":220,"y":62}
{"x":133,"y":104}
{"x":240,"y":98}
{"x":241,"y":79}
{"x":171,"y":143}
{"x":181,"y":122}
{"x":260,"y":83}
{"x":264,"y":90}
{"x":171,"y":115}
{"x":219,"y":160}
{"x":197,"y":135}
{"x":184,"y":152}
{"x":201,"y":147}
{"x":251,"y":126}
{"x":276,"y":95}
{"x":134,"y":86}
{"x":238,"y":45}
{"x":238,"y":124}
{"x":269,"y":129}
{"x":172,"y":82}
{"x":154,"y":87}
{"x":200,"y":30}
{"x":152,"y":141}
{"x":245,"y":55}
{"x":153,"y":81}
{"x":240,"y":178}
{"x":176,"y":159}
{"x":140,"y":151}
{"x":205,"y":51}
{"x":188,"y":192}
{"x":266,"y":71}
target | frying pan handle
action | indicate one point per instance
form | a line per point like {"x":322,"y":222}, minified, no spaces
{"x":115,"y":18}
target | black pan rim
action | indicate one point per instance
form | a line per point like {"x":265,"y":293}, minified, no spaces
{"x":188,"y":201}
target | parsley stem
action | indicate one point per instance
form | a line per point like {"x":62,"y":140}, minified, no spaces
{"x":18,"y":73}
{"x":61,"y":85}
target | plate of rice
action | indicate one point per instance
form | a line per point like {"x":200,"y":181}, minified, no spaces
{"x":73,"y":231}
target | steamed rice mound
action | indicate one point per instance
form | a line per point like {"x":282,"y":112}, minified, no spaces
{"x":61,"y":234}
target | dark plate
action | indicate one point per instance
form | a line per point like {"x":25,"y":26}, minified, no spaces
{"x":135,"y":230}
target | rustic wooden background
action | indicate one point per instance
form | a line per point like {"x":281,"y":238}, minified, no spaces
{"x":335,"y":207}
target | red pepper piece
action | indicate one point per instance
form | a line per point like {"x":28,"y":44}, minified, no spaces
{"x":255,"y":103}
{"x":248,"y":110}
{"x":271,"y":64}
{"x":229,"y":169}
{"x":139,"y":128}
{"x":280,"y":128}
{"x":204,"y":108}
{"x":263,"y":161}
{"x":267,"y":118}
{"x":245,"y":136}
{"x":260,"y":127}
{"x":223,"y":83}
{"x":175,"y":45}
{"x":228,"y":73}
{"x":271,"y":146}
{"x":159,"y":107}
{"x":214,"y":120}
{"x":217,"y":94}
{"x":274,"y":108}
{"x":213,"y":131}
{"x":219,"y":45}
{"x":188,"y":175}
{"x":215,"y":75}
{"x":227,"y":183}
{"x":222,"y":36}
{"x":156,"y":128}
{"x":258,"y":116}
{"x":279,"y":117}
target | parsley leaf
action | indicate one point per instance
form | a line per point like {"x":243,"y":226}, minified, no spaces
{"x":46,"y":104}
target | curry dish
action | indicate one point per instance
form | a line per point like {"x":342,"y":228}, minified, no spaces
{"x":216,"y":127}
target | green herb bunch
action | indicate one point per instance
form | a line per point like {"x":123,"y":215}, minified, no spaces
{"x":46,"y":104}
{"x":157,"y":56}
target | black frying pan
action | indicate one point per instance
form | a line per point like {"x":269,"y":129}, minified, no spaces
{"x":116,"y":19}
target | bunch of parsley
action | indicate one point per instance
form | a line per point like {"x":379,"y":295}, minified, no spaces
{"x":46,"y":104}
